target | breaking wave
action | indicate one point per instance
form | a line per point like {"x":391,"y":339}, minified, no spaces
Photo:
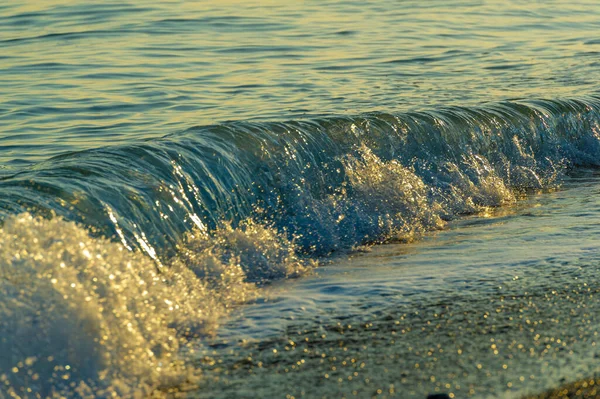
{"x":112,"y":260}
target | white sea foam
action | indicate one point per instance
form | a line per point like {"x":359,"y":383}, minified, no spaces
{"x":83,"y":315}
{"x":252,"y":252}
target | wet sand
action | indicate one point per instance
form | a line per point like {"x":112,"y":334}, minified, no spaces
{"x":585,"y":389}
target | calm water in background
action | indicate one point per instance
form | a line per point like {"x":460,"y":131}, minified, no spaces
{"x":76,"y":75}
{"x":210,"y":150}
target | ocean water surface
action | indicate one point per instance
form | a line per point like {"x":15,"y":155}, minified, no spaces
{"x":319,"y":199}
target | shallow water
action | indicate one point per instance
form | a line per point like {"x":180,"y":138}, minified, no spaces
{"x":175,"y":175}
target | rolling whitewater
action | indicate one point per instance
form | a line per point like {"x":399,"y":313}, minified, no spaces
{"x":330,"y":199}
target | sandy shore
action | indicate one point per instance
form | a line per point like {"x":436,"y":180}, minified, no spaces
{"x":583,"y":389}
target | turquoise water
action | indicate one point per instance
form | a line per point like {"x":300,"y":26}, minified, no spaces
{"x":178,"y":177}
